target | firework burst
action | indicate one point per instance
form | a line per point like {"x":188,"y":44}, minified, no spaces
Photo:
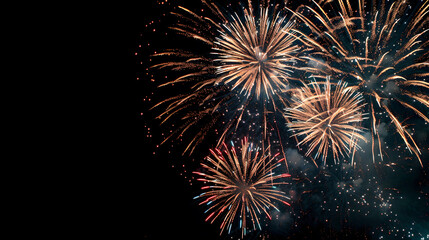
{"x":327,"y":118}
{"x":241,"y":185}
{"x":246,"y":58}
{"x":380,"y":49}
{"x":256,"y":55}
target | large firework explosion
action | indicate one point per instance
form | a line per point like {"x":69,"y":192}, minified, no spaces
{"x":380,"y":50}
{"x":241,"y":184}
{"x":250,"y":61}
{"x":327,"y":120}
{"x":257,"y":54}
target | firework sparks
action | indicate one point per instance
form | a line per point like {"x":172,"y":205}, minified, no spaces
{"x":380,"y":52}
{"x":256,"y":54}
{"x":241,"y":185}
{"x":248,"y":56}
{"x":327,"y":119}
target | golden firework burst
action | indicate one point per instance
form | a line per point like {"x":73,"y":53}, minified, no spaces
{"x":326,"y":119}
{"x":256,"y":54}
{"x":242,"y":57}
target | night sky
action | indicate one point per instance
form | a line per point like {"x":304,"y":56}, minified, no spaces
{"x":386,"y":200}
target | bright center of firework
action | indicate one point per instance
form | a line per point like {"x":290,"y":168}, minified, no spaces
{"x":243,"y":188}
{"x":261,"y":56}
{"x":326,"y":126}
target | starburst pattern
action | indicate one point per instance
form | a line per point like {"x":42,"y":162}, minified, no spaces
{"x":249,"y":59}
{"x":240,"y":185}
{"x":257,"y":53}
{"x":327,"y":119}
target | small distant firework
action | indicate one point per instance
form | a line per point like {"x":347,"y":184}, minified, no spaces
{"x":327,"y":119}
{"x":243,"y":57}
{"x":241,"y":185}
{"x":380,"y":50}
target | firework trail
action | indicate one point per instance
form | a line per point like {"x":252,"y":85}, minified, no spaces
{"x":241,"y":185}
{"x":327,"y":119}
{"x":378,"y":50}
{"x":250,"y":60}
